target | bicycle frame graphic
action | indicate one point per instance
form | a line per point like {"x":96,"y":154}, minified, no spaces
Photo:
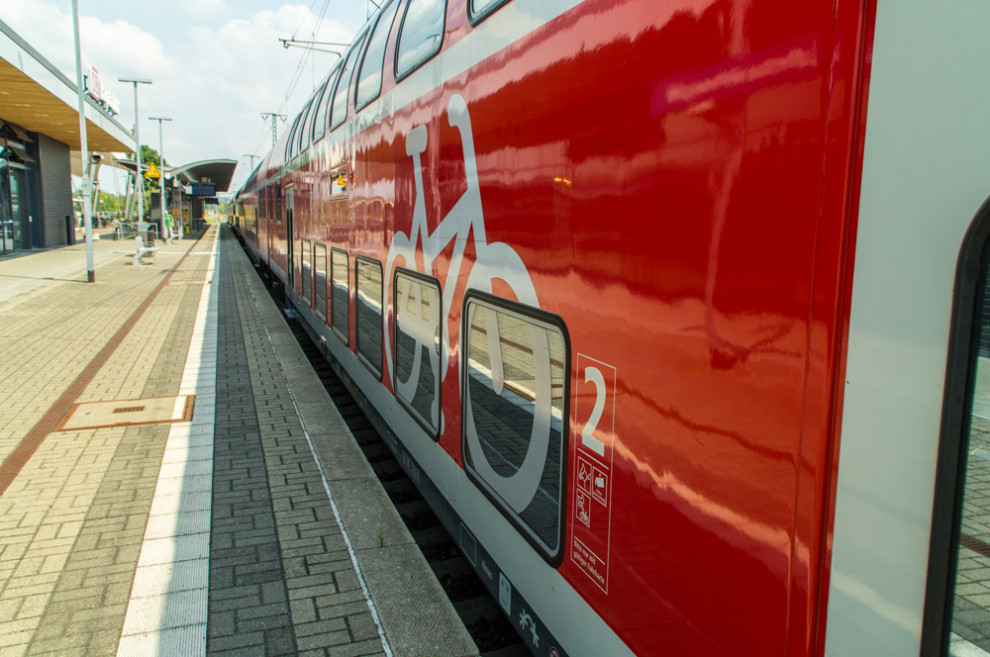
{"x":493,"y":260}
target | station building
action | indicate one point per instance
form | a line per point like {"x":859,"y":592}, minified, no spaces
{"x":40,"y":146}
{"x":40,"y":151}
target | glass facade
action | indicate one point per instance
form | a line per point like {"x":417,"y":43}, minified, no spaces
{"x":15,"y":197}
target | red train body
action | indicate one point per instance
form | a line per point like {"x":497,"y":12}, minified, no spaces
{"x":632,"y":223}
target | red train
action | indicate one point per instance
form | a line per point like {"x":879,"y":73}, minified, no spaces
{"x":673,"y":309}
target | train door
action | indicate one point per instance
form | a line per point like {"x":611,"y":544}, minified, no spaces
{"x":290,"y":276}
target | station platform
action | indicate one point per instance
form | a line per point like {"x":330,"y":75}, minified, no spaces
{"x":174,"y":480}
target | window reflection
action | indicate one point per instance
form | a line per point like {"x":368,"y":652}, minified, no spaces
{"x":320,"y":288}
{"x":422,"y":34}
{"x":338,"y":112}
{"x":369,"y":313}
{"x":305,"y":272}
{"x":971,"y":603}
{"x":340,"y":303}
{"x":370,"y":80}
{"x":417,"y":348}
{"x":481,"y":7}
{"x":514,"y":410}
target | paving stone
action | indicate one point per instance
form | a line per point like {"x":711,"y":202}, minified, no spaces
{"x":277,"y":578}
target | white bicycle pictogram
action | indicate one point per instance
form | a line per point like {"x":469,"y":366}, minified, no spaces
{"x":493,"y":260}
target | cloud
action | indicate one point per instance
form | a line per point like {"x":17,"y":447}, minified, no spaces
{"x":109,"y":46}
{"x":215,"y":67}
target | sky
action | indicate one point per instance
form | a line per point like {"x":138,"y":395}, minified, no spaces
{"x":215,"y":65}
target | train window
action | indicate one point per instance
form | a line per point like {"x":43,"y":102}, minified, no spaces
{"x":304,"y":126}
{"x":957,"y":603}
{"x":305,"y":271}
{"x":478,"y":10}
{"x":421,"y":35}
{"x":290,"y":141}
{"x":514,"y":417}
{"x":368,"y":322}
{"x":417,"y":347}
{"x":320,"y":279}
{"x":338,"y":111}
{"x":320,"y":110}
{"x":369,"y":84}
{"x":340,"y":298}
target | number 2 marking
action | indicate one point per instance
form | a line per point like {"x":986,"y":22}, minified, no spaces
{"x":594,"y":375}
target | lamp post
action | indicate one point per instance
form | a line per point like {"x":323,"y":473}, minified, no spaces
{"x":137,"y":150}
{"x":84,"y":147}
{"x":161,"y":157}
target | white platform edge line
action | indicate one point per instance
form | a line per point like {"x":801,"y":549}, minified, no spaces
{"x":197,"y":373}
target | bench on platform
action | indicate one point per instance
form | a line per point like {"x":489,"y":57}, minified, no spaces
{"x":143,"y":250}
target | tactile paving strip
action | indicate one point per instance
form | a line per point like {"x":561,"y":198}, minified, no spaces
{"x":127,"y":412}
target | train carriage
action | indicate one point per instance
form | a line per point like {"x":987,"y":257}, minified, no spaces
{"x":655,"y":302}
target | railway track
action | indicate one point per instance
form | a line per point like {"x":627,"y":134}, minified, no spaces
{"x":491,"y":630}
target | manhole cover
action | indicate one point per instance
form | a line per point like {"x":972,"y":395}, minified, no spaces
{"x":122,"y":413}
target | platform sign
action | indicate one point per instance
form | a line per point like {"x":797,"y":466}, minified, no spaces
{"x":594,"y":427}
{"x":152,"y":171}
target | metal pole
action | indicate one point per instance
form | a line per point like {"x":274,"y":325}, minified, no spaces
{"x":84,"y":147}
{"x":139,"y":175}
{"x":273,"y":116}
{"x":161,"y":181}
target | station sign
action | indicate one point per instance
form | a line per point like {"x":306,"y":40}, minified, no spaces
{"x":100,"y":94}
{"x":201,"y":189}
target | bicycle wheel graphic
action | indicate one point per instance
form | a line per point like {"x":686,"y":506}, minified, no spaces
{"x":515,"y":481}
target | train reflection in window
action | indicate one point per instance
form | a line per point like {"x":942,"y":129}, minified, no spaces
{"x":515,"y":389}
{"x":340,"y":297}
{"x":417,"y":348}
{"x":320,"y":287}
{"x":369,"y":313}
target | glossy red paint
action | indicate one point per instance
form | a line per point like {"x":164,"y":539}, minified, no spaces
{"x":678,"y":179}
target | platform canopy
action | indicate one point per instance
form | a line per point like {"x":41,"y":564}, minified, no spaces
{"x":38,"y":97}
{"x":216,"y":172}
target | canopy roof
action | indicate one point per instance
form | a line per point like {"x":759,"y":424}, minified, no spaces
{"x":38,"y":97}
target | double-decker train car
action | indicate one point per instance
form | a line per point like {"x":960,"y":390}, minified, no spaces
{"x":673,"y":309}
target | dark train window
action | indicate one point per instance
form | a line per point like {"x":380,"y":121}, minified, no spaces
{"x":340,"y":298}
{"x":369,"y":84}
{"x":320,"y":279}
{"x":478,"y":10}
{"x":305,"y":271}
{"x":957,"y":605}
{"x":320,"y":110}
{"x":516,"y":364}
{"x":368,"y":322}
{"x":417,"y":347}
{"x":421,"y":35}
{"x":338,"y":112}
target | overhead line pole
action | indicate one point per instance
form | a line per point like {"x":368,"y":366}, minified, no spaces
{"x":273,"y":116}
